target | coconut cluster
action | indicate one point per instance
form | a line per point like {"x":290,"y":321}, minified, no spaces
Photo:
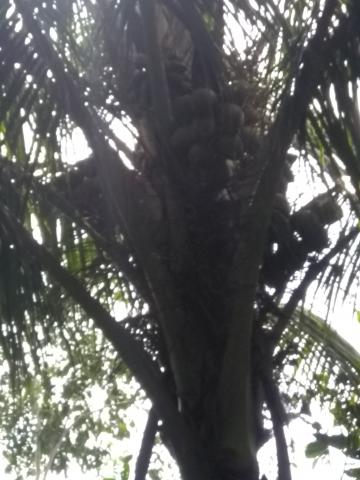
{"x":213,"y":139}
{"x":216,"y":137}
{"x":293,"y":236}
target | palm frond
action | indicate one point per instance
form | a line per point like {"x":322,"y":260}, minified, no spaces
{"x":321,"y":366}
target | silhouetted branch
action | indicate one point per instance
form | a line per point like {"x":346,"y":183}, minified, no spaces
{"x":158,"y":82}
{"x":278,"y":418}
{"x":147,"y":444}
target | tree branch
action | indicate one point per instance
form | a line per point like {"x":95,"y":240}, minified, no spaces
{"x":203,"y":41}
{"x":278,"y":418}
{"x":143,"y":460}
{"x":158,"y":81}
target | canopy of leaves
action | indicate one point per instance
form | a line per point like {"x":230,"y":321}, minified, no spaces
{"x":196,"y":114}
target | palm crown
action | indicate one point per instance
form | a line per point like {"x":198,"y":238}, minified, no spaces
{"x":181,"y":210}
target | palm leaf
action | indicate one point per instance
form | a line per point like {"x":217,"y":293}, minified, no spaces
{"x":321,"y":365}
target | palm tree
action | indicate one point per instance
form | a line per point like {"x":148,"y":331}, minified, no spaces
{"x":181,"y":210}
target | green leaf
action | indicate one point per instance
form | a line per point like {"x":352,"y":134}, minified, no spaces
{"x":316,"y":449}
{"x":353,"y":472}
{"x":126,"y":469}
